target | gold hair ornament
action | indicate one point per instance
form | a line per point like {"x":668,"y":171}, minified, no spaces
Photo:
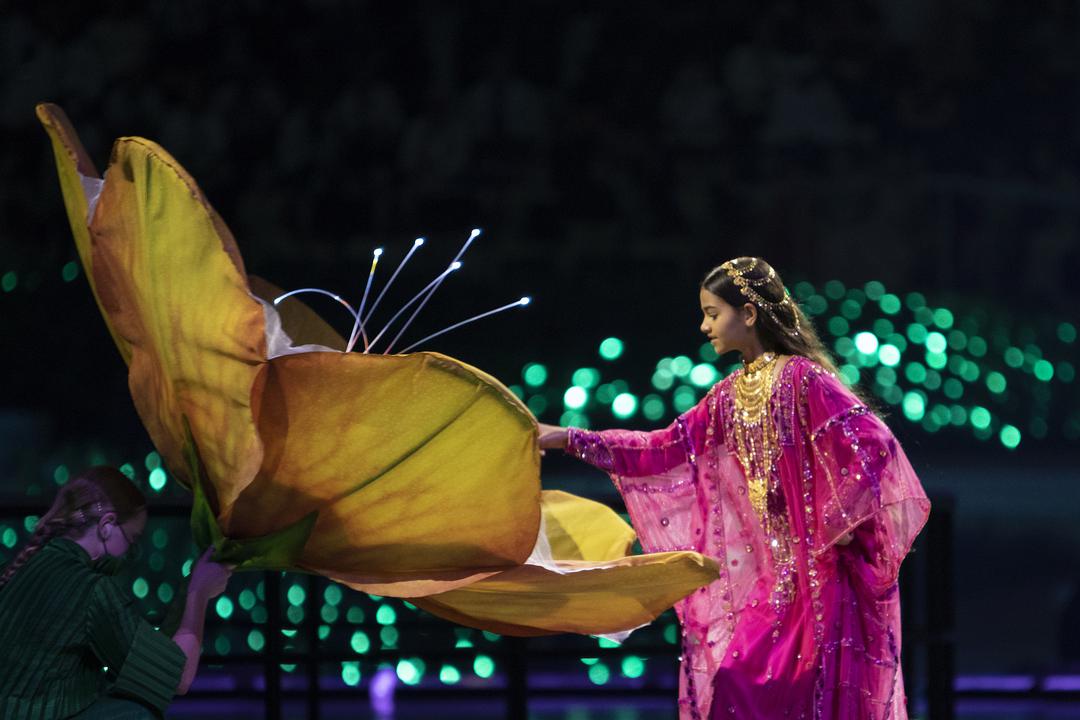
{"x":747,"y":287}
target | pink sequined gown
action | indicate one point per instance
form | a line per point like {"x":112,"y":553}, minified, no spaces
{"x":795,"y":626}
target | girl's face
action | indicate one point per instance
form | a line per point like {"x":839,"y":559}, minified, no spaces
{"x":728,"y":328}
{"x":122,"y":538}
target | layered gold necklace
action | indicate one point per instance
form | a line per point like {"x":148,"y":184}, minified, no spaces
{"x":755,"y":433}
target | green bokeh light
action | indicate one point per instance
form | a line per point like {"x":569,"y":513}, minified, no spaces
{"x":587,"y":377}
{"x":571,"y":418}
{"x":385,"y":615}
{"x":246,"y":599}
{"x":599,"y":674}
{"x":359,"y":642}
{"x":917,"y":333}
{"x":874,"y":290}
{"x":624,"y":405}
{"x":849,"y":374}
{"x":663,"y":379}
{"x":838,"y":325}
{"x":866,"y":343}
{"x":850,"y":309}
{"x":889,"y":355}
{"x":575,"y":397}
{"x":256,"y":640}
{"x":681,"y":366}
{"x":449,"y":675}
{"x":534,"y":374}
{"x":1066,"y":332}
{"x":296,"y":595}
{"x":483,"y":666}
{"x":914,"y":405}
{"x":350,"y":673}
{"x":633,"y":666}
{"x":936,"y":342}
{"x":652,"y":407}
{"x":157,"y":479}
{"x":684,"y":398}
{"x":979,"y":417}
{"x":943,"y":318}
{"x":611,"y":348}
{"x":890,"y":304}
{"x":410,"y":671}
{"x":224,"y":607}
{"x":937,"y":360}
{"x":140,"y":588}
{"x":703,"y":375}
{"x":1010,"y":436}
{"x":1044,"y":370}
{"x":70,"y":271}
{"x":996,"y":382}
{"x":815,"y":305}
{"x":9,"y":281}
{"x":606,"y":393}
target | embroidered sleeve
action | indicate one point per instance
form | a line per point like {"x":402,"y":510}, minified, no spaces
{"x":862,"y":479}
{"x":632,"y":453}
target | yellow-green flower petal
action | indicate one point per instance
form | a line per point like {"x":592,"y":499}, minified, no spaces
{"x":418,"y":466}
{"x":171,"y":281}
{"x":594,"y":599}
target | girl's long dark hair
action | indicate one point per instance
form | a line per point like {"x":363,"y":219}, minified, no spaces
{"x":78,"y":505}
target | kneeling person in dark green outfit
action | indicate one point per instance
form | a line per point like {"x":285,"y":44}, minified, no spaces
{"x":64,"y":615}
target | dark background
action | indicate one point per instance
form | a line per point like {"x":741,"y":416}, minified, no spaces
{"x":612,"y":153}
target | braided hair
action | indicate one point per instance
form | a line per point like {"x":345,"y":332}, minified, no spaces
{"x":78,"y":505}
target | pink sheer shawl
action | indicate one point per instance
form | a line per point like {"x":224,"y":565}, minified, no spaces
{"x":795,"y":624}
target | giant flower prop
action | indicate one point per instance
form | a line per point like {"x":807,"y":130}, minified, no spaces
{"x":411,"y":475}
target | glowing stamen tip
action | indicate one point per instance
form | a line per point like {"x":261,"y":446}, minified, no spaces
{"x":378,"y":252}
{"x":418,"y":242}
{"x":474,"y":234}
{"x":525,"y":301}
{"x":455,"y":265}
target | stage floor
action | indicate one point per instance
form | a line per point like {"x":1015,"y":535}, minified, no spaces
{"x":553,"y":708}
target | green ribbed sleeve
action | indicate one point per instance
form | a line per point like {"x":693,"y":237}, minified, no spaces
{"x":143,"y":663}
{"x":61,"y":622}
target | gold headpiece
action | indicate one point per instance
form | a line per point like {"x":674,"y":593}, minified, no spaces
{"x":746,"y":287}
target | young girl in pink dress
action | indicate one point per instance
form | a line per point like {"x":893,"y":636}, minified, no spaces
{"x":802,"y":495}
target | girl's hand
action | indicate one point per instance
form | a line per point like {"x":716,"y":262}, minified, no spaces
{"x":209,"y":578}
{"x":552,"y":437}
